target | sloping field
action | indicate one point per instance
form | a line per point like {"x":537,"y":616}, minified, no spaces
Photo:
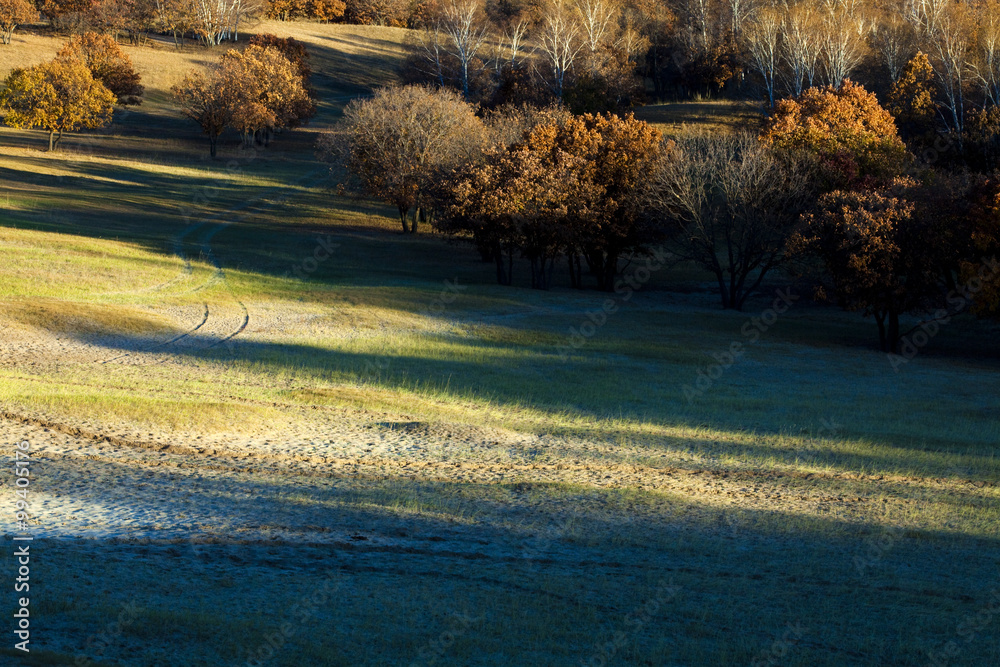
{"x":268,"y":429}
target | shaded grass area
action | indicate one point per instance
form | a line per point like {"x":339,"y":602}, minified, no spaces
{"x":649,"y":596}
{"x":96,"y":242}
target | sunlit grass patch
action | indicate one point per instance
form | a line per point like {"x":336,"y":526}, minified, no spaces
{"x":134,"y":410}
{"x":83,"y":319}
{"x":37,"y":264}
{"x":679,"y":119}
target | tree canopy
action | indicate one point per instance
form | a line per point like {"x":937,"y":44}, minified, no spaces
{"x":58,"y":96}
{"x":853,"y":139}
{"x":12,"y":14}
{"x":400,"y":140}
{"x":107,"y":63}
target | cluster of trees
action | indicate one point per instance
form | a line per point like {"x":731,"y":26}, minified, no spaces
{"x":211,"y":21}
{"x":938,"y":61}
{"x":14,"y":13}
{"x":257,"y":91}
{"x":934,"y":63}
{"x":832,"y":194}
{"x":587,"y":53}
{"x":565,"y":189}
{"x":828,"y":191}
{"x":324,"y":10}
{"x":397,"y":143}
{"x":78,"y":89}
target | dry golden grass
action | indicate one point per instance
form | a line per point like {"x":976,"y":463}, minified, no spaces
{"x":26,"y":50}
{"x":349,"y":56}
{"x":82,"y":318}
{"x":763,"y":525}
{"x":678,"y":119}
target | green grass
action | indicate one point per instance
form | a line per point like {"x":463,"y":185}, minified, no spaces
{"x":97,"y":243}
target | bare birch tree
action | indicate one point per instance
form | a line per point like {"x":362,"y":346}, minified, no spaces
{"x":762,"y":37}
{"x":986,"y":63}
{"x":950,"y":49}
{"x":559,"y":42}
{"x":467,"y":32}
{"x":801,"y":46}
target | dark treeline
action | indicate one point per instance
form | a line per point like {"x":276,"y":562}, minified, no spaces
{"x":828,"y":191}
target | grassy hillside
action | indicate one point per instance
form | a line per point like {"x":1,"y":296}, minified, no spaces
{"x":811,"y":504}
{"x":676,"y":119}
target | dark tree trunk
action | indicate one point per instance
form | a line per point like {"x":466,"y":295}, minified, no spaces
{"x":419,"y":215}
{"x":723,"y":290}
{"x":882,"y":338}
{"x":595,"y":262}
{"x":504,"y":272}
{"x":575,"y":270}
{"x":403,"y":217}
{"x":503,"y":277}
{"x":213,"y":142}
{"x":609,"y":270}
{"x":893,"y":333}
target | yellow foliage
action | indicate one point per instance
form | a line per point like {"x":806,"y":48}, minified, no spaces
{"x":852,"y":136}
{"x":58,"y":96}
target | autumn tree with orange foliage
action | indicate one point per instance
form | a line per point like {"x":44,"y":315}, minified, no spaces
{"x":853,"y":140}
{"x":982,"y":264}
{"x":255,"y":91}
{"x":377,"y":12}
{"x":569,"y":188}
{"x":324,"y":10}
{"x":12,"y":14}
{"x":911,"y":98}
{"x":289,"y":47}
{"x":58,"y":96}
{"x":107,"y":63}
{"x":206,"y":99}
{"x":520,"y":200}
{"x":66,"y":15}
{"x":619,"y":154}
{"x":886,"y":252}
{"x":266,"y":93}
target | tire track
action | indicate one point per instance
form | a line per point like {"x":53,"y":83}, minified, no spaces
{"x":214,"y":225}
{"x":168,"y":342}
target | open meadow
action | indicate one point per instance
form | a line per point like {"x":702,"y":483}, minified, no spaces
{"x":267,"y":428}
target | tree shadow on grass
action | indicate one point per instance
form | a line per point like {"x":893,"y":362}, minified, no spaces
{"x":550,"y":587}
{"x":532,"y":376}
